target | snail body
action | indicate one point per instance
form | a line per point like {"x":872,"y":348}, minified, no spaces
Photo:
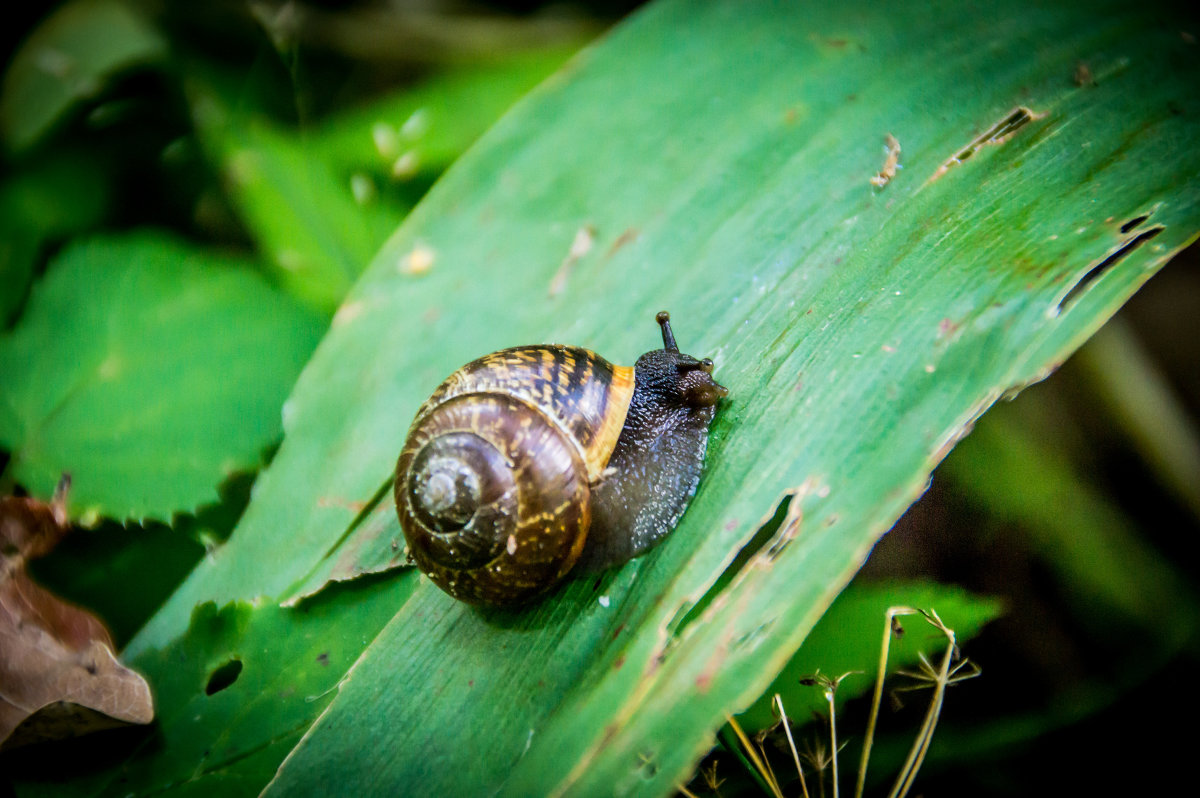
{"x":534,"y":460}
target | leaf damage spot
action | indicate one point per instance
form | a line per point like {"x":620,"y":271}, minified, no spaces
{"x":347,"y":313}
{"x":407,"y":165}
{"x":998,"y":133}
{"x":1082,"y":77}
{"x":891,"y":162}
{"x":417,"y":261}
{"x":223,"y":676}
{"x":947,"y":328}
{"x":585,"y":237}
{"x":1098,"y":270}
{"x":630,"y":235}
{"x":1133,"y":223}
{"x":775,"y":533}
{"x":355,"y":507}
{"x":647,"y":766}
{"x":386,"y":140}
{"x":832,"y":43}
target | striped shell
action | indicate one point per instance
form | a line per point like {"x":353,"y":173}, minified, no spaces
{"x":493,"y":486}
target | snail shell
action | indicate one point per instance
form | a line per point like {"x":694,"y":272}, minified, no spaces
{"x":529,"y":460}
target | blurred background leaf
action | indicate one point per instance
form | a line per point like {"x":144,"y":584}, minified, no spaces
{"x":319,"y":203}
{"x":67,"y":59}
{"x":61,"y":194}
{"x":304,"y":220}
{"x":166,"y":378}
{"x":846,"y":641}
{"x":301,"y":134}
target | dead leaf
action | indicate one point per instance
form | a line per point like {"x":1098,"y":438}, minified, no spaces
{"x":59,"y":676}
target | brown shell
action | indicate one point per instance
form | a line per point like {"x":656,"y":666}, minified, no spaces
{"x":523,"y":432}
{"x":581,"y":391}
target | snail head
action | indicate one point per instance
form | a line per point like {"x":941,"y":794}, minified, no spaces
{"x":675,"y":376}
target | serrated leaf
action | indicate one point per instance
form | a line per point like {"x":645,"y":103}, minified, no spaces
{"x":150,"y":371}
{"x":723,"y":155}
{"x":68,"y":58}
{"x":93,"y":565}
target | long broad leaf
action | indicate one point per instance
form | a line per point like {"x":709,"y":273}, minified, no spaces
{"x":719,"y":158}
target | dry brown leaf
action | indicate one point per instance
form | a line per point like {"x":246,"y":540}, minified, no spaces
{"x":59,"y":676}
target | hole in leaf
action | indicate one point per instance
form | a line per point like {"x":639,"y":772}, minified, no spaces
{"x":647,"y":766}
{"x":761,"y":538}
{"x":998,"y":133}
{"x":1097,"y":271}
{"x":223,"y":677}
{"x":1132,"y":223}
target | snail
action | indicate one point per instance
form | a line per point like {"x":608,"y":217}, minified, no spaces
{"x":533,"y":460}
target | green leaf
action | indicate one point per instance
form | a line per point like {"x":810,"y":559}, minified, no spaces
{"x":1029,"y":469}
{"x":305,"y":220}
{"x":96,"y":567}
{"x":1146,"y":408}
{"x":421,"y":130}
{"x":63,"y":193}
{"x":1115,"y":579}
{"x":69,"y":58}
{"x":150,"y":371}
{"x":848,"y":637}
{"x":319,"y":203}
{"x":89,"y":565}
{"x":237,"y":690}
{"x":722,"y":156}
{"x":373,"y":544}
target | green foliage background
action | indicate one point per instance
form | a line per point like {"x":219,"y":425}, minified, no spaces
{"x":717,"y":157}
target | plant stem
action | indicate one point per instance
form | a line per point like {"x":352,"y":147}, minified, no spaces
{"x":762,"y":769}
{"x":792,"y":745}
{"x":877,"y":697}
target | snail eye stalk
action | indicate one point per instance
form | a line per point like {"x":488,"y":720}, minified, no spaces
{"x":664,"y":319}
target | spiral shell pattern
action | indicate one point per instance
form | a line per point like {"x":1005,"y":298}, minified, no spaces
{"x":493,"y":484}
